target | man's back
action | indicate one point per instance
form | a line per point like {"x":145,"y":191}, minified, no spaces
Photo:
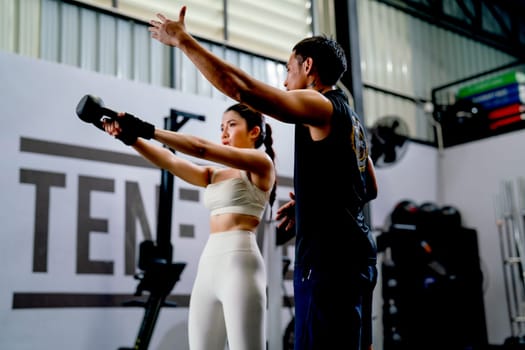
{"x":330,"y":190}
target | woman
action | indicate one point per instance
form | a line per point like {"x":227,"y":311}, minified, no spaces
{"x":228,"y":300}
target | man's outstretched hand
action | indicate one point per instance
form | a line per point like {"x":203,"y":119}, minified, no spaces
{"x":167,"y":31}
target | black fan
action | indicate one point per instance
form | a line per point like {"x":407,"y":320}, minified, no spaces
{"x":389,"y":136}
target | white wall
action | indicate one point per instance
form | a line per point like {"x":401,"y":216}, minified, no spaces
{"x":473,"y":174}
{"x":414,"y":176}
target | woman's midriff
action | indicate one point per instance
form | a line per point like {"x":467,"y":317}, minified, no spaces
{"x":232,"y":222}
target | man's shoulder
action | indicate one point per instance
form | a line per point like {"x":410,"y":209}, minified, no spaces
{"x":337,"y":92}
{"x":340,"y":101}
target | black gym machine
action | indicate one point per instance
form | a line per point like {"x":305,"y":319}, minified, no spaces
{"x":432,"y":281}
{"x":158,"y":274}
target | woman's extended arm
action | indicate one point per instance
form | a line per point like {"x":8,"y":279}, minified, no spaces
{"x":249,"y":159}
{"x":182,"y":168}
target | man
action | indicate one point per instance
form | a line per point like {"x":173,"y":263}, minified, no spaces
{"x":335,"y":260}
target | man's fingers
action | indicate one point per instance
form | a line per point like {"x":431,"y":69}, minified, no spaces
{"x":288,"y":206}
{"x":281,"y":212}
{"x":155,"y":23}
{"x":288,"y":224}
{"x":182,"y":14}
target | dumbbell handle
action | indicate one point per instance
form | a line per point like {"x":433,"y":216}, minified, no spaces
{"x":108,"y":114}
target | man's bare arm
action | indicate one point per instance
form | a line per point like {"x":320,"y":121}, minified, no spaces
{"x":299,"y":106}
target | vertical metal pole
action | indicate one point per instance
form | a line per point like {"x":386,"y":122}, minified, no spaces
{"x":347,"y":34}
{"x":165,"y":208}
{"x":225,"y":21}
{"x":502,"y":236}
{"x":511,"y":255}
{"x":520,"y":218}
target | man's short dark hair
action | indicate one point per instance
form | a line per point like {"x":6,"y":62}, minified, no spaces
{"x":329,"y":59}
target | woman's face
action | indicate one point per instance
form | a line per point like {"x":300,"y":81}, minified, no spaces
{"x":234,"y":130}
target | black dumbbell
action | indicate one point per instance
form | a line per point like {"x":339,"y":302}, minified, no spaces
{"x":91,"y":110}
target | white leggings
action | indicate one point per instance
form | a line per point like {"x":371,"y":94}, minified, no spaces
{"x":228,"y":300}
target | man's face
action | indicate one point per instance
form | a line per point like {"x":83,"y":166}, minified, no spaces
{"x":296,"y":73}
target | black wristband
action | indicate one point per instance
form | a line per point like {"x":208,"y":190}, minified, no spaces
{"x":132,"y":128}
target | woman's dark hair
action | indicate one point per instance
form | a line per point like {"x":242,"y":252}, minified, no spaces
{"x":254,"y":118}
{"x":328,"y":57}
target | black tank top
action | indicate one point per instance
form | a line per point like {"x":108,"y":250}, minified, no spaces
{"x":330,"y":190}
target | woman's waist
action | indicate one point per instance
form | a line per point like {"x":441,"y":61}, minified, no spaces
{"x":227,"y":241}
{"x":233,"y":222}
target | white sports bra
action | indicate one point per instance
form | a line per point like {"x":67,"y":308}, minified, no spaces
{"x":238,"y":195}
